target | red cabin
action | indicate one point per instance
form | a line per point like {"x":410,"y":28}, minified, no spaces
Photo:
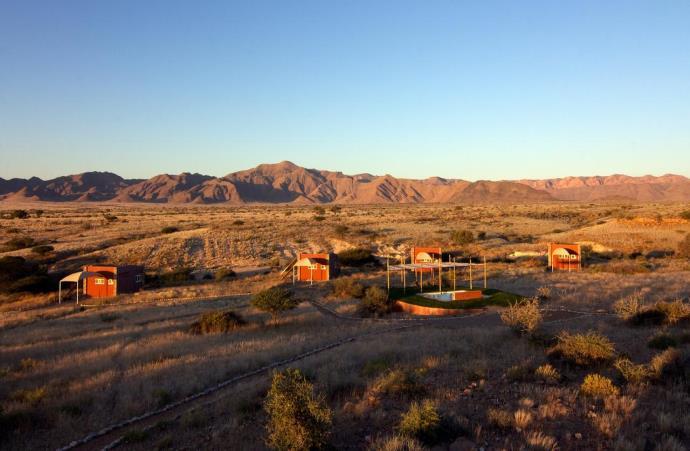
{"x":315,"y":267}
{"x":112,"y":280}
{"x":565,"y":257}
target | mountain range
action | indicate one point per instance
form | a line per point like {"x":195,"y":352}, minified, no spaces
{"x":286,"y":182}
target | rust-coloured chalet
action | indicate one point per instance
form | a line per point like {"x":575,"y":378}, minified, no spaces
{"x":315,"y":267}
{"x":108,"y":280}
{"x":565,"y":257}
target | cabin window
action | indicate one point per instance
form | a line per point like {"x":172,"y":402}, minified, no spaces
{"x":139,"y":278}
{"x":100,"y":281}
{"x":111,"y":282}
{"x":323,"y":267}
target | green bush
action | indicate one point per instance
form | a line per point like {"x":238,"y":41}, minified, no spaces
{"x":421,"y":421}
{"x":597,"y":386}
{"x":356,"y":257}
{"x":347,"y":287}
{"x":319,"y":218}
{"x":375,"y":302}
{"x":462,"y":237}
{"x":42,"y":249}
{"x":238,"y":222}
{"x":275,"y":301}
{"x":218,"y":322}
{"x":170,"y":229}
{"x":298,"y":419}
{"x":398,"y":382}
{"x":583,"y":349}
{"x":523,"y":316}
{"x":176,"y":276}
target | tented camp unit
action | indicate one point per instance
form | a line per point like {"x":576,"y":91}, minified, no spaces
{"x":565,"y":257}
{"x":315,"y":267}
{"x":102,"y":281}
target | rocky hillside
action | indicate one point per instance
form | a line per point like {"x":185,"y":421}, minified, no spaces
{"x":288,"y":183}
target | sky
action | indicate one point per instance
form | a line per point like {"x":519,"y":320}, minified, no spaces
{"x":457,"y":89}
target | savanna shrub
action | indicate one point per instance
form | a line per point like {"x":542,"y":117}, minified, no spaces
{"x":396,"y":443}
{"x":628,"y":307}
{"x":543,"y":293}
{"x":500,"y":418}
{"x":664,"y":363}
{"x":523,"y":316}
{"x":674,"y":311}
{"x":547,"y":373}
{"x":422,"y":421}
{"x":274,"y":300}
{"x":298,"y":419}
{"x":398,"y":382}
{"x":19,"y":243}
{"x":347,"y":287}
{"x":375,"y":302}
{"x":224,"y":274}
{"x":217,"y":322}
{"x":356,"y":257}
{"x":598,"y":386}
{"x":583,"y":349}
{"x":42,"y":249}
{"x":633,"y":373}
{"x":170,"y":229}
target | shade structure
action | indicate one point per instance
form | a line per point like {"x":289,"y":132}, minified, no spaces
{"x":75,"y":278}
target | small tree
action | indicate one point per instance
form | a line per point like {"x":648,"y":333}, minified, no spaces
{"x":19,"y":214}
{"x":376,"y":302}
{"x":275,"y":301}
{"x":523,"y":317}
{"x":298,"y":419}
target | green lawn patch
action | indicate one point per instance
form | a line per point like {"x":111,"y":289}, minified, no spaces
{"x":493,"y":297}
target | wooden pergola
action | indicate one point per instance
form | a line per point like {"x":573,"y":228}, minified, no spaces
{"x":434,"y":268}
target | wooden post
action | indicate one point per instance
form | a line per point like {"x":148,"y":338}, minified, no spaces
{"x":403,"y":277}
{"x":311,"y":274}
{"x":485,"y":286}
{"x":470,"y":273}
{"x":388,"y":273}
{"x":60,"y":292}
{"x":440,"y":273}
{"x":421,"y":281}
{"x":455,"y":275}
{"x":293,"y":274}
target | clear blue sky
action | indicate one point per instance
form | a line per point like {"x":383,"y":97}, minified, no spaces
{"x":473,"y":90}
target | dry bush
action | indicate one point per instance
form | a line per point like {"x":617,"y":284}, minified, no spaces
{"x":633,"y":373}
{"x":583,"y":349}
{"x":630,"y":306}
{"x":662,"y":363}
{"x":547,"y":373}
{"x":218,"y":322}
{"x":523,"y":316}
{"x":500,"y":418}
{"x":684,"y":247}
{"x":674,"y":311}
{"x":421,"y":421}
{"x":398,"y":382}
{"x":396,"y":443}
{"x":347,"y":287}
{"x":298,"y":419}
{"x":540,"y":441}
{"x":543,"y":293}
{"x":521,"y":419}
{"x":598,"y":386}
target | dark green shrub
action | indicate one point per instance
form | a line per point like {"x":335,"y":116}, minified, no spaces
{"x":225,"y":274}
{"x":238,"y":222}
{"x":319,"y":218}
{"x":356,"y":257}
{"x":346,"y":287}
{"x":176,"y":276}
{"x":42,"y":249}
{"x":218,"y":322}
{"x":341,"y":230}
{"x":685,"y":215}
{"x":376,"y":302}
{"x":19,"y":243}
{"x":274,"y":300}
{"x":170,"y":229}
{"x":462,"y":237}
{"x":19,"y":214}
{"x":319,"y":211}
{"x":298,"y":418}
{"x":662,"y":341}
